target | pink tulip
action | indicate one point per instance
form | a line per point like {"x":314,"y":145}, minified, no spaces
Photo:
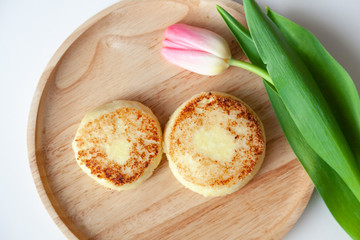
{"x":196,"y":49}
{"x":202,"y":51}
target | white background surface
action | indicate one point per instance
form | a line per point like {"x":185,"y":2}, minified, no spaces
{"x":30,"y":33}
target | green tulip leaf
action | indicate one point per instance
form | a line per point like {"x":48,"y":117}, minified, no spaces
{"x":302,"y":97}
{"x":339,"y":198}
{"x":334,"y":82}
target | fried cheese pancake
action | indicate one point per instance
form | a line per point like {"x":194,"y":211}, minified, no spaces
{"x":119,"y":144}
{"x":214,"y":143}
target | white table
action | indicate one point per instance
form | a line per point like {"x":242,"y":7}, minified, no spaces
{"x":31,"y":31}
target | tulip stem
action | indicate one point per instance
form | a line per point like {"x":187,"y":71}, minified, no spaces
{"x":252,"y":68}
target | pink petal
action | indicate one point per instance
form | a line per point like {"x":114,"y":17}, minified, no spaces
{"x":170,"y":44}
{"x":199,"y":38}
{"x":196,"y":61}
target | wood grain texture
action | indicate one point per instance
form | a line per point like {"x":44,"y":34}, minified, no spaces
{"x":116,"y":55}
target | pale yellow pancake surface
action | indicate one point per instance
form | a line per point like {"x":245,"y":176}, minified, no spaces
{"x":119,"y":144}
{"x":214,"y":143}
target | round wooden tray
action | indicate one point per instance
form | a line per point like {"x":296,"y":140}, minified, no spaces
{"x":116,"y":55}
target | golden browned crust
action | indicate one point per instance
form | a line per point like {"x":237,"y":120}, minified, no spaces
{"x":143,"y":149}
{"x":196,"y":112}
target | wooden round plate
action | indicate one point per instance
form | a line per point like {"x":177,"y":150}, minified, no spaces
{"x":116,"y":55}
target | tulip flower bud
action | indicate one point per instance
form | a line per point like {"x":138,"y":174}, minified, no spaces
{"x":196,"y":49}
